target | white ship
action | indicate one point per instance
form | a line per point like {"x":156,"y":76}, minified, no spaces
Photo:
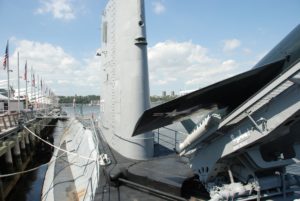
{"x":242,"y":133}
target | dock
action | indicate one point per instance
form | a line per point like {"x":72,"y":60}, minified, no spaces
{"x":17,"y":145}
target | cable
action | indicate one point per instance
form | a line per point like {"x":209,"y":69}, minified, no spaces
{"x":56,"y":147}
{"x":30,"y":170}
{"x":54,"y":125}
{"x":49,"y":125}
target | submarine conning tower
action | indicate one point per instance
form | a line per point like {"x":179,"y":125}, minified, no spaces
{"x":124,"y":78}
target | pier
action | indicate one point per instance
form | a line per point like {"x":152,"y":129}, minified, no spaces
{"x":17,"y":145}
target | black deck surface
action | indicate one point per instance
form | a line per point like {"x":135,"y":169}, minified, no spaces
{"x":167,"y":173}
{"x":106,"y":191}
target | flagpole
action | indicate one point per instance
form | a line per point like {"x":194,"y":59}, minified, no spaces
{"x":42,"y":91}
{"x":31,"y":72}
{"x":26,"y":100}
{"x":35,"y":94}
{"x":26,"y":95}
{"x":42,"y":104}
{"x":38,"y":89}
{"x":19,"y":83}
{"x":8,"y":90}
{"x":33,"y":90}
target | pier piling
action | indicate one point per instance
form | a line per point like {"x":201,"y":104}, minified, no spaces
{"x":18,"y":146}
{"x":17,"y":154}
{"x":8,"y":159}
{"x":23,"y":147}
{"x":27,"y":142}
{"x":1,"y":190}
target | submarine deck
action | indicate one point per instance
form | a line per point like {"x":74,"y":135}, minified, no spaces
{"x":127,"y":179}
{"x":165,"y":177}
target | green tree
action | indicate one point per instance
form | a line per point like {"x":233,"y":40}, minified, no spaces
{"x":79,"y":99}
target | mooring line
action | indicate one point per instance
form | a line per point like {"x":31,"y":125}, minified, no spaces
{"x":51,"y":125}
{"x":30,"y":170}
{"x":56,"y":147}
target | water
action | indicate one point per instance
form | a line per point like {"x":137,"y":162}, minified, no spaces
{"x":85,"y":110}
{"x":29,"y":187}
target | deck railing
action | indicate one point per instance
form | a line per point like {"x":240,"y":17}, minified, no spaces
{"x":169,"y":137}
{"x":12,"y":120}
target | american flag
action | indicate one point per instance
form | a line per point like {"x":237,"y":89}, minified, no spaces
{"x":25,"y":73}
{"x":33,"y":80}
{"x":5,"y":60}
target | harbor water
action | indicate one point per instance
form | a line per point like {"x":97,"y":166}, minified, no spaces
{"x":83,"y":110}
{"x":29,"y":187}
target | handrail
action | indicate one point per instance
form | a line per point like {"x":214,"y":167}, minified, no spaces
{"x":12,"y":120}
{"x":186,"y":134}
{"x":170,"y":140}
{"x":167,"y":142}
{"x":165,"y":136}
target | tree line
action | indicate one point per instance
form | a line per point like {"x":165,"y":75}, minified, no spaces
{"x":78,"y":99}
{"x":89,"y":98}
{"x":162,"y":98}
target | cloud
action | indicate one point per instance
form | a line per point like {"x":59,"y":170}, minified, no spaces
{"x":171,"y":54}
{"x":60,"y":9}
{"x":165,"y":81}
{"x":47,"y":57}
{"x":211,"y":75}
{"x":231,"y":44}
{"x":181,"y":65}
{"x":63,"y":81}
{"x":172,"y":66}
{"x":59,"y":69}
{"x":247,"y":51}
{"x":158,"y":7}
{"x":228,"y":64}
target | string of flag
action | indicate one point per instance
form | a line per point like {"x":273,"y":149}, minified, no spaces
{"x":6,"y":57}
{"x":43,"y":91}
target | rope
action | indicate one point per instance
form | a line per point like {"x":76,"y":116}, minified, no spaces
{"x":54,"y":125}
{"x":49,"y":125}
{"x":56,"y":147}
{"x":30,"y":170}
{"x":51,"y":161}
